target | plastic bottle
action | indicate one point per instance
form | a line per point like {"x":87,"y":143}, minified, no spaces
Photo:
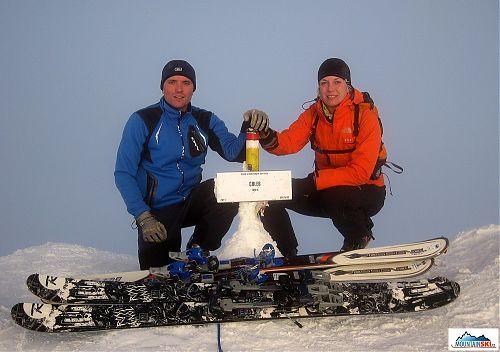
{"x":252,"y":150}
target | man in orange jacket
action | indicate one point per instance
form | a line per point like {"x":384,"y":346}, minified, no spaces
{"x":345,"y":185}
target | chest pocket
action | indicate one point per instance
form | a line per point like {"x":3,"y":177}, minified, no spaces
{"x":347,"y":136}
{"x":196,"y":141}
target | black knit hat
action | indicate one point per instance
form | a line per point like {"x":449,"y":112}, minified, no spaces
{"x":334,"y":67}
{"x":178,"y":68}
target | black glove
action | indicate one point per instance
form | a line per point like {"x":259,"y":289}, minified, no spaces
{"x":303,"y":187}
{"x":152,"y":230}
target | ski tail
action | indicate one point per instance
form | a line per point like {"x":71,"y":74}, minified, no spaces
{"x":381,"y":271}
{"x":410,"y":251}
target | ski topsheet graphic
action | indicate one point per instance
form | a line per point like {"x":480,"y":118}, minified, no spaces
{"x":410,"y":251}
{"x":280,"y":300}
{"x":197,"y":263}
{"x":198,"y":288}
{"x":55,"y":289}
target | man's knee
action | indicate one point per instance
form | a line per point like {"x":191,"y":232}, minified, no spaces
{"x":153,"y":256}
{"x":224,"y":212}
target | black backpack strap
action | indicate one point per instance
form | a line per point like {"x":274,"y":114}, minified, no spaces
{"x":394,"y":167}
{"x":332,"y":151}
{"x":380,"y":162}
{"x":150,"y":116}
{"x":366,"y":99}
{"x":356,"y":120}
{"x":313,"y":131}
{"x":325,"y":151}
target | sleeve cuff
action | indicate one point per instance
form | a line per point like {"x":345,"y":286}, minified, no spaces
{"x":270,"y":141}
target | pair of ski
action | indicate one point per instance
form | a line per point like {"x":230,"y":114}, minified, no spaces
{"x":393,"y":262}
{"x":293,"y":288}
{"x":399,"y":261}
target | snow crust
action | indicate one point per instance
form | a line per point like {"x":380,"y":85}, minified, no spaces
{"x":472,"y":260}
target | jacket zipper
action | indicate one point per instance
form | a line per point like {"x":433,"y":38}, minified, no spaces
{"x":183,"y":151}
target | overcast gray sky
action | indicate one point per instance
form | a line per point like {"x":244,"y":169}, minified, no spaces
{"x":72,"y":72}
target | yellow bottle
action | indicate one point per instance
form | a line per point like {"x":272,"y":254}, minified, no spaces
{"x":252,"y":150}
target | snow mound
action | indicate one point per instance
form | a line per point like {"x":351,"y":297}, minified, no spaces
{"x":250,"y":237}
{"x":472,"y":260}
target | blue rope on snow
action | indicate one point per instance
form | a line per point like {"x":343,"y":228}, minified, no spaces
{"x":219,"y":345}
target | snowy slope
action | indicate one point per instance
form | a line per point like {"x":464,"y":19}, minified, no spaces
{"x":472,"y":260}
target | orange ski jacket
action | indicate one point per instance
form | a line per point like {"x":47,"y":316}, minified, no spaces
{"x":346,"y":160}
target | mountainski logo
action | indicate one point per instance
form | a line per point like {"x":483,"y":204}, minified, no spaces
{"x":473,"y":339}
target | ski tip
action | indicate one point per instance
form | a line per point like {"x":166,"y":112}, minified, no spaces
{"x":17,"y":313}
{"x":446,"y":241}
{"x":24,"y":319}
{"x":32,"y":278}
{"x":34,"y":285}
{"x":16,"y":308}
{"x":20,"y":317}
{"x":444,"y":246}
{"x":456,"y":288}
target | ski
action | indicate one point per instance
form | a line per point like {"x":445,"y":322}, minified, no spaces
{"x":396,"y":253}
{"x":53,"y":289}
{"x":185,"y":267}
{"x":286,"y":300}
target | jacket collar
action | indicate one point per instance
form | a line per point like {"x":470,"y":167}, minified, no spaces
{"x":355,"y":98}
{"x":170,"y":110}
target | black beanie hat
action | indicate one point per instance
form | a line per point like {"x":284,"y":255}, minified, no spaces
{"x":334,"y":67}
{"x":178,"y":68}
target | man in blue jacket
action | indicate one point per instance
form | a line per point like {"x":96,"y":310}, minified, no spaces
{"x":158,"y":168}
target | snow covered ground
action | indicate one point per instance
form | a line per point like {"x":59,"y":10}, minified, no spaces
{"x":472,"y":260}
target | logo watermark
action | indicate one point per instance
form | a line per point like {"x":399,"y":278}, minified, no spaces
{"x":472,"y":339}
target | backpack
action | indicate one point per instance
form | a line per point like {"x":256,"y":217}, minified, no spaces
{"x":382,"y":155}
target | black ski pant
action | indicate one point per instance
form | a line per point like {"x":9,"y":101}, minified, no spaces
{"x":211,"y":220}
{"x":349,"y":207}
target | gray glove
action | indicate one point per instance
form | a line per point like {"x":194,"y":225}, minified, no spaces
{"x":256,"y":119}
{"x":152,"y":230}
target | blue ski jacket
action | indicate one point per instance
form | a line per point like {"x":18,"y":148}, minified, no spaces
{"x":176,"y":149}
